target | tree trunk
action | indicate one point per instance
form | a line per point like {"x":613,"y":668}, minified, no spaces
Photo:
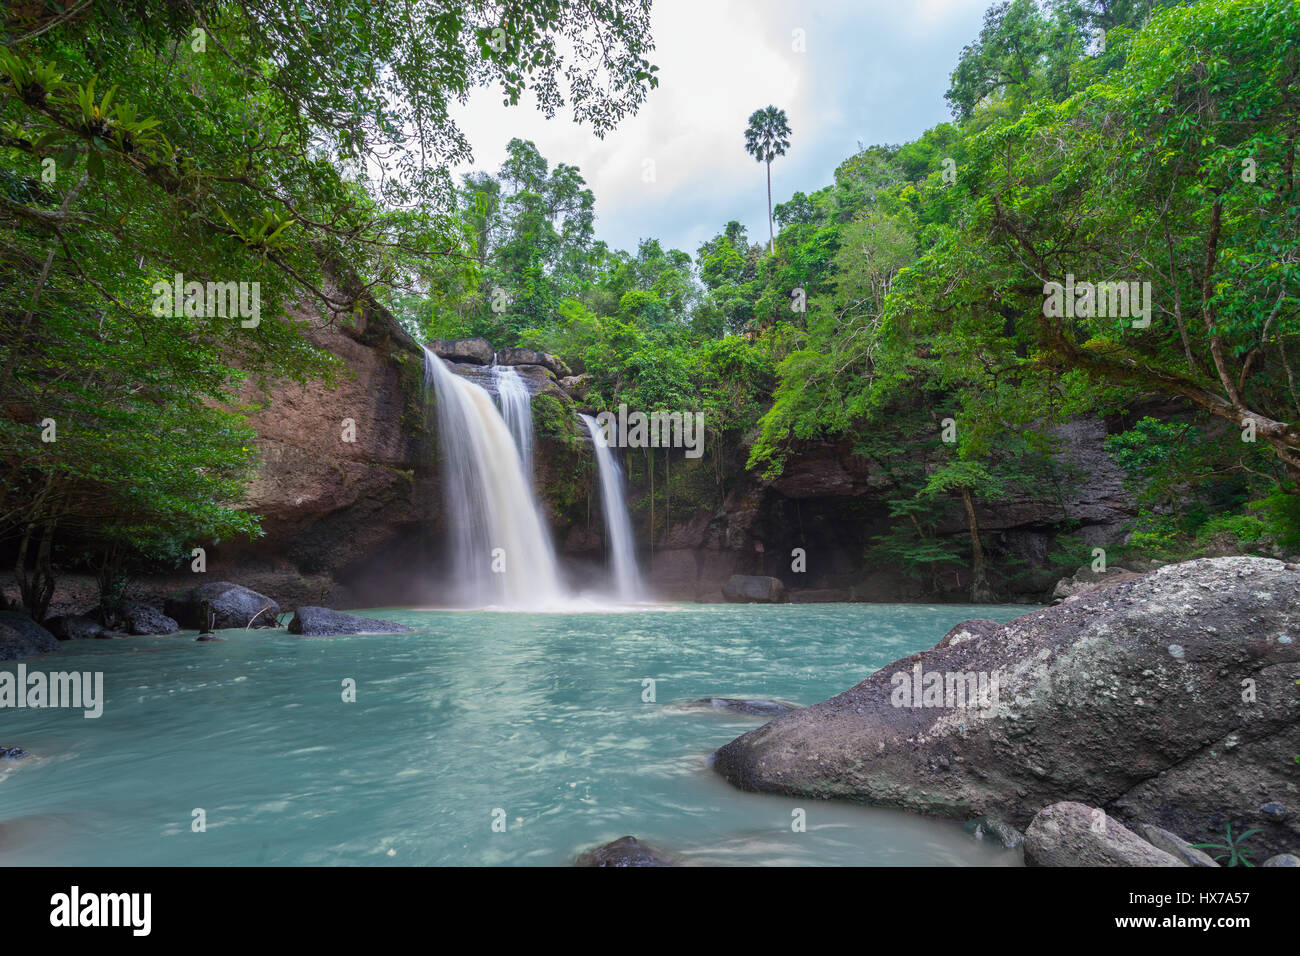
{"x":980,"y":592}
{"x":36,"y":586}
{"x":771,"y":233}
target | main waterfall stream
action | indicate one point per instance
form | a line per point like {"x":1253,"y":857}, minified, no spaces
{"x":517,"y":410}
{"x":502,"y":553}
{"x":503,"y":556}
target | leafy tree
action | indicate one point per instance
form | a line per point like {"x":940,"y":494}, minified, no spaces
{"x":232,"y":142}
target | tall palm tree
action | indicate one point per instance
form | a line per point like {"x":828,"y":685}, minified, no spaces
{"x":765,"y":140}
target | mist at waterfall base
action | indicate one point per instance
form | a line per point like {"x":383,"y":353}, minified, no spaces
{"x":542,"y":716}
{"x":501,"y":556}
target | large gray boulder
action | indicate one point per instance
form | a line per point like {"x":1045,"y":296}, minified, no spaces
{"x":144,"y":619}
{"x":531,"y":357}
{"x":1168,"y":699}
{"x":1072,"y":834}
{"x":220,"y":604}
{"x":322,"y":622}
{"x":477,"y":351}
{"x":20,"y":637}
{"x":753,"y":589}
{"x":74,"y":627}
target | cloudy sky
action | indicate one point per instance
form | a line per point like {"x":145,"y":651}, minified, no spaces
{"x":871,"y":71}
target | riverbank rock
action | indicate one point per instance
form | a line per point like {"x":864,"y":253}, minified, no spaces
{"x":625,"y":851}
{"x":994,"y":831}
{"x":475,"y":350}
{"x":1072,"y":834}
{"x":220,"y":605}
{"x":1168,"y":699}
{"x":322,"y":622}
{"x":753,"y":589}
{"x":1282,"y":859}
{"x":576,"y":386}
{"x":968,"y":631}
{"x":1086,"y":579}
{"x":140,"y":620}
{"x":1175,"y":845}
{"x":531,"y":357}
{"x":21,"y":637}
{"x":754,"y":707}
{"x":73,"y":627}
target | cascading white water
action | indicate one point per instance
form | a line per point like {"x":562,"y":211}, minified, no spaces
{"x":490,"y":501}
{"x":627,"y":578}
{"x":516,"y":409}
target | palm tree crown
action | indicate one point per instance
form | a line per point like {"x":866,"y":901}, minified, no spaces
{"x":766,"y":137}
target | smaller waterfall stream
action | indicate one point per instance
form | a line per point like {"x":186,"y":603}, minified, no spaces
{"x":516,"y":409}
{"x":627,"y":578}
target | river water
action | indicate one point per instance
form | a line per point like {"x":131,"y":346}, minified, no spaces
{"x":541,"y":716}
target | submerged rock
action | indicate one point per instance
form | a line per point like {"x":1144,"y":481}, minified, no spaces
{"x":1072,"y":834}
{"x":625,"y":851}
{"x":12,"y":753}
{"x":753,"y":589}
{"x":820,"y":596}
{"x":322,"y":622}
{"x":74,"y":627}
{"x":1131,"y":698}
{"x":754,"y":706}
{"x":220,"y":605}
{"x":21,"y":637}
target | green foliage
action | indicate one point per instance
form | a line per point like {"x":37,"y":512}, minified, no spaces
{"x":135,"y":148}
{"x":1231,"y":847}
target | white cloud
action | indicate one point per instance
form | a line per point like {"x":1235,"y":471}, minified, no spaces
{"x":872,"y":72}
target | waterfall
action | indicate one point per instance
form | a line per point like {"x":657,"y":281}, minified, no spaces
{"x":490,"y":500}
{"x":627,"y":579}
{"x":516,"y":409}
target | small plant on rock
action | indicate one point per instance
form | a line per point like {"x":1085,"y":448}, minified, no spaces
{"x":1231,"y":848}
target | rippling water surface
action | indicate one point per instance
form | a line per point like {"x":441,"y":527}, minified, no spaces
{"x":538,"y":715}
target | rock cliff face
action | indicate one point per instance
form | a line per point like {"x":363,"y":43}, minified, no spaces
{"x":830,"y":502}
{"x":347,"y":485}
